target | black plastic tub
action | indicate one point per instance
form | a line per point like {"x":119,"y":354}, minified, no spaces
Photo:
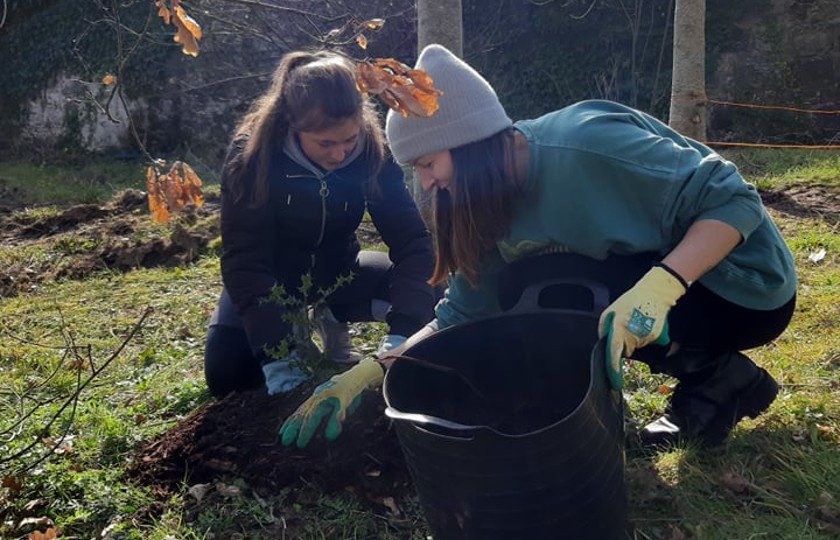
{"x":510,"y":429}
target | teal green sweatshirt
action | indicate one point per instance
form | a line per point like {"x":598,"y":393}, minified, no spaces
{"x":607,"y":179}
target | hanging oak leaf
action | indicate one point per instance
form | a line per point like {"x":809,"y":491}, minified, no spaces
{"x":405,"y":90}
{"x":362,"y":41}
{"x":163,"y":11}
{"x":171,"y":191}
{"x":108,"y":79}
{"x":157,"y":202}
{"x":370,"y":79}
{"x":189,"y":31}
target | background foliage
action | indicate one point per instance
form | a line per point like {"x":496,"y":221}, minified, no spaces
{"x":539,"y":55}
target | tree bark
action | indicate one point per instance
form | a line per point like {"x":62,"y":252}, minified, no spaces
{"x":688,"y":87}
{"x":438,"y":21}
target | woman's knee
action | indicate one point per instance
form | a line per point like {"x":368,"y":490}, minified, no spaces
{"x":229,"y":364}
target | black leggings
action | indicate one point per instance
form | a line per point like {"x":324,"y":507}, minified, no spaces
{"x":229,"y":363}
{"x":700,"y":319}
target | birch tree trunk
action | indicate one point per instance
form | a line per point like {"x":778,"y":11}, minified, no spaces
{"x":688,"y":87}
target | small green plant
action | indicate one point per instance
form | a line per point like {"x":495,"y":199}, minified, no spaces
{"x":297,"y":313}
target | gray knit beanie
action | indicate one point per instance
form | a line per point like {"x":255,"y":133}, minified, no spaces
{"x":469,"y":110}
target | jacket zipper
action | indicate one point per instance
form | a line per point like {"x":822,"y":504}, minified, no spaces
{"x":324,"y":192}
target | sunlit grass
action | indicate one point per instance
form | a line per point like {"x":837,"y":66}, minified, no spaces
{"x":776,"y":166}
{"x":777,"y":478}
{"x":52,"y":184}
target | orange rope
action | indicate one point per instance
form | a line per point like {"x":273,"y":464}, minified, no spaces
{"x":770,"y":145}
{"x":774,"y":107}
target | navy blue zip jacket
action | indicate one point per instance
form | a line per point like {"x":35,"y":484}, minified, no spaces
{"x":308,"y":224}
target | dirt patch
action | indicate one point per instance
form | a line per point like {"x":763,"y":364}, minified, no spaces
{"x":805,"y":200}
{"x":236,"y":437}
{"x":118,"y":235}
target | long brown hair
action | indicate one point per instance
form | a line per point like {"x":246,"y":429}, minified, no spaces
{"x":475,"y":210}
{"x":310,"y":91}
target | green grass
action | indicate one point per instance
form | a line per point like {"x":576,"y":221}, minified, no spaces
{"x":31,"y":184}
{"x":778,"y":478}
{"x":777,"y":166}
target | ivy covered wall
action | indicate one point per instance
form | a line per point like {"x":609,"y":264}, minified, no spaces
{"x":539,"y":56}
{"x":55,"y":50}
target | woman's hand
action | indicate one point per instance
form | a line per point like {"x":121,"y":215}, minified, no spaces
{"x":387,"y":354}
{"x":639,"y":317}
{"x":335,"y":399}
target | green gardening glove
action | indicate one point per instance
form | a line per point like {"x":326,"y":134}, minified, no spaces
{"x":334,"y":399}
{"x":639,"y":317}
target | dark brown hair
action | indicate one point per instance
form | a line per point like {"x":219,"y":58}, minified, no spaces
{"x":475,"y":210}
{"x":310,"y":91}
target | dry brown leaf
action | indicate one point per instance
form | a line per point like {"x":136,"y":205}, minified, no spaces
{"x":157,"y":204}
{"x":192,"y":185}
{"x":374,"y":24}
{"x":78,"y":364}
{"x":163,"y":11}
{"x":371,"y":80}
{"x":735,"y":482}
{"x":14,"y":483}
{"x":48,"y":534}
{"x":188,"y":22}
{"x":362,"y":41}
{"x":414,"y":100}
{"x":405,"y":90}
{"x":187,"y":39}
{"x":108,"y":79}
{"x":187,"y":30}
{"x":171,"y":191}
{"x":421,"y":80}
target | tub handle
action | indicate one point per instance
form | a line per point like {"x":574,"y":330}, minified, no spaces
{"x":422,"y":419}
{"x":529,"y":301}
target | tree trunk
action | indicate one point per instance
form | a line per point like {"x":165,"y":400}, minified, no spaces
{"x":438,"y":21}
{"x":688,"y":87}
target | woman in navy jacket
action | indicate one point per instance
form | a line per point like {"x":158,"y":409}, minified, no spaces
{"x":305,"y":164}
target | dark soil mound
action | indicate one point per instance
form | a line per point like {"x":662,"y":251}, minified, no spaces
{"x":237,"y":436}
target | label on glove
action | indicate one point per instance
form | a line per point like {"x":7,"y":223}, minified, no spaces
{"x":640,"y":325}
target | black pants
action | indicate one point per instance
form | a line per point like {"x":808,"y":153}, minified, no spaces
{"x":700,"y":319}
{"x":229,"y":363}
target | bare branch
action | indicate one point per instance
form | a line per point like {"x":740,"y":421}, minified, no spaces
{"x":305,"y":13}
{"x":71,"y":402}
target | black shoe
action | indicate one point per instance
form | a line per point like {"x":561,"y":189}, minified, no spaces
{"x":707,"y":404}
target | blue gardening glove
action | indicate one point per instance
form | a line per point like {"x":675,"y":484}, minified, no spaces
{"x":639,"y":317}
{"x":389,"y":342}
{"x":283,"y":375}
{"x":334,"y":399}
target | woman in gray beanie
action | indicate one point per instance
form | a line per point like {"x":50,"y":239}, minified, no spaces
{"x":695,"y":267}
